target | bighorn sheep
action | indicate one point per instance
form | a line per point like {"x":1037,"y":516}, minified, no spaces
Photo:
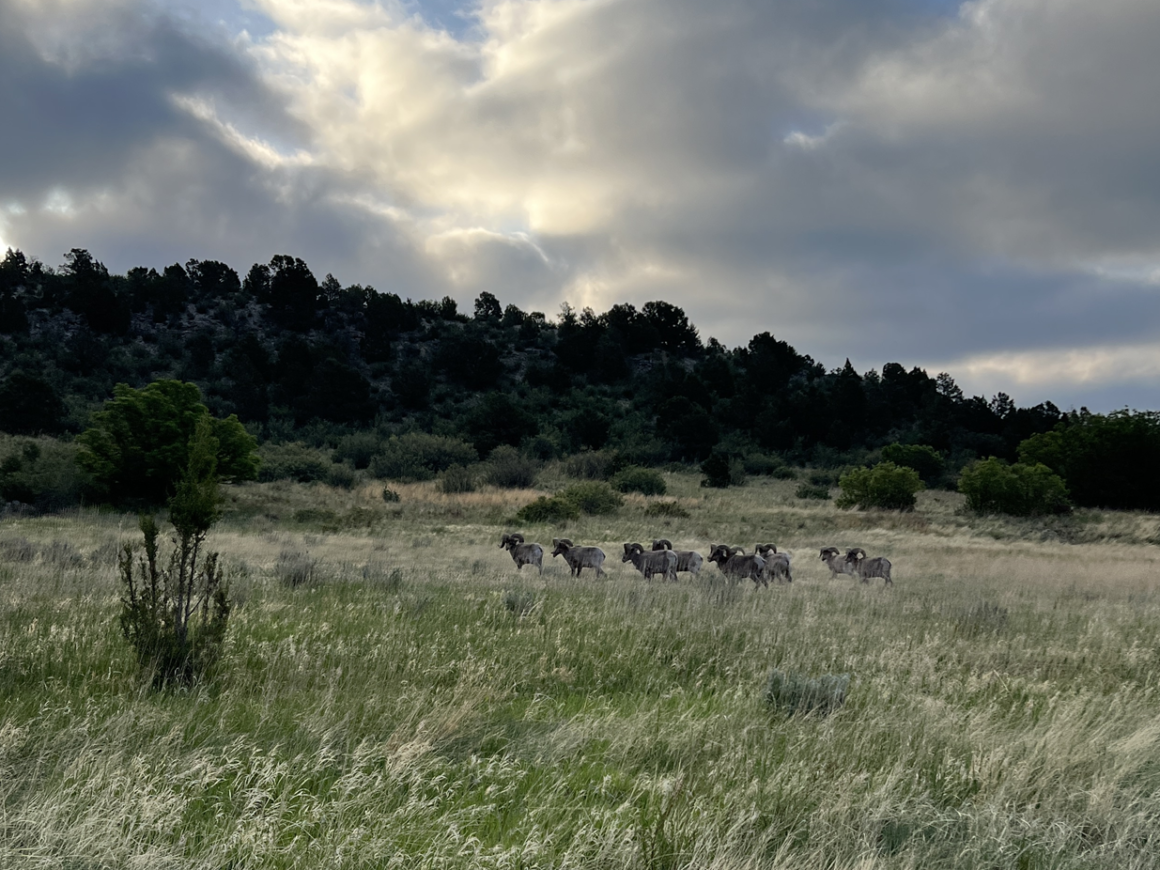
{"x":687,"y":560}
{"x":523,"y":554}
{"x":837,"y":564}
{"x":734,"y":563}
{"x":579,"y":557}
{"x":776,"y":564}
{"x":865,"y":568}
{"x":648,"y":563}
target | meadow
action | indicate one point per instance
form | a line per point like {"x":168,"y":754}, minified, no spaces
{"x":393,"y":693}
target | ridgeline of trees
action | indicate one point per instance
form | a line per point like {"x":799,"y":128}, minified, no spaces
{"x":352,"y":369}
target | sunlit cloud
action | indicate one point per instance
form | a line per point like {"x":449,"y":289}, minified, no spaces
{"x":865,"y":179}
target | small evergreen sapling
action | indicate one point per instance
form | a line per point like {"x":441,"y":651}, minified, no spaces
{"x":175,"y":616}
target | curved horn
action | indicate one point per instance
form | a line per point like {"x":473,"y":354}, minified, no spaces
{"x":566,"y":543}
{"x":516,"y":537}
{"x":662,"y":544}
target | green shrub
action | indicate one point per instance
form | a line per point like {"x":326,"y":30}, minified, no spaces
{"x":927,"y":461}
{"x":138,"y":444}
{"x":593,"y":497}
{"x":341,"y":476}
{"x":456,"y":479}
{"x":358,"y":449}
{"x":665,"y":509}
{"x":721,"y":471}
{"x":293,"y":461}
{"x":420,"y":456}
{"x":510,"y":469}
{"x":763,"y":464}
{"x":646,"y":481}
{"x":783,"y":473}
{"x":886,"y":485}
{"x":548,"y":509}
{"x":175,"y":617}
{"x":794,"y":692}
{"x":593,"y":464}
{"x":993,"y":486}
{"x":812,"y":491}
{"x":42,"y":473}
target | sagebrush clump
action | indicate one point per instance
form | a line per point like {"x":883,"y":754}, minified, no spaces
{"x":792,"y":692}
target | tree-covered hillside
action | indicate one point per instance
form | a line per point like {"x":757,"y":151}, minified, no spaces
{"x":301,"y":359}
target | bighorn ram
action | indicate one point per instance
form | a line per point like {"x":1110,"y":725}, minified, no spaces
{"x":776,"y":564}
{"x":832,"y":556}
{"x":662,"y":562}
{"x":687,"y":560}
{"x":734,"y":563}
{"x":579,"y":557}
{"x":523,"y":554}
{"x":865,"y":568}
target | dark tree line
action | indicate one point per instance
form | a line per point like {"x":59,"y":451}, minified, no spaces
{"x":299,"y":358}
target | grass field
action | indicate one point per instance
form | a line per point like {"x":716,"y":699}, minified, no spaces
{"x":415,"y":702}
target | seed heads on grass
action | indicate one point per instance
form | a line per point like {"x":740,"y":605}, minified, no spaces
{"x":378,"y":575}
{"x":665,"y":509}
{"x":17,"y":550}
{"x":793,"y":692}
{"x":519,"y":601}
{"x":982,"y":617}
{"x":295,"y":567}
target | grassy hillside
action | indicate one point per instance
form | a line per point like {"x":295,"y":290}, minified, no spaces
{"x":416,"y":702}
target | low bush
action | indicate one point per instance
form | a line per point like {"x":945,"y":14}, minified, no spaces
{"x":886,"y":485}
{"x":927,"y":461}
{"x":793,"y":692}
{"x":42,"y":473}
{"x":456,"y":479}
{"x":994,"y":487}
{"x":783,"y":473}
{"x":548,"y":509}
{"x":665,"y":509}
{"x":763,"y":464}
{"x":293,"y":461}
{"x":722,"y":471}
{"x":510,"y":469}
{"x":593,"y":464}
{"x":390,"y":496}
{"x":420,"y":456}
{"x":358,"y":449}
{"x":593,"y":497}
{"x":812,"y":491}
{"x":646,"y":481}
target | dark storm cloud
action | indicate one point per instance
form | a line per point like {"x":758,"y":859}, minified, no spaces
{"x":889,"y":180}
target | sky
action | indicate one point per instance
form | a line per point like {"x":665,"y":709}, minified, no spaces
{"x":971,"y":188}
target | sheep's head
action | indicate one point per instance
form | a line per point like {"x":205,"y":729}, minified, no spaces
{"x":829,"y":552}
{"x":631,"y":550}
{"x":857,"y":554}
{"x":765,"y":549}
{"x":662,"y":544}
{"x":561,"y":546}
{"x":511,"y":540}
{"x":720,"y":554}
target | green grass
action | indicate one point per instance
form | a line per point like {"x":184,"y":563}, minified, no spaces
{"x":420,"y":703}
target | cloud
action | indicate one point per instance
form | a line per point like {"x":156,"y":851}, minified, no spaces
{"x":876,"y":179}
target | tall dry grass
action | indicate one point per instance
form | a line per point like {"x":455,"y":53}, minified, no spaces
{"x":420,"y":703}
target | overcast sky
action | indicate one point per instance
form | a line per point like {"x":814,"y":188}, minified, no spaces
{"x":972,"y":188}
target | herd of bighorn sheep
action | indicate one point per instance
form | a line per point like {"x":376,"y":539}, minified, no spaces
{"x":761,"y":566}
